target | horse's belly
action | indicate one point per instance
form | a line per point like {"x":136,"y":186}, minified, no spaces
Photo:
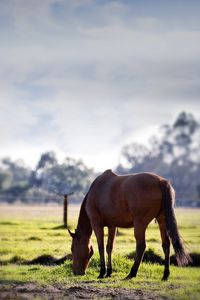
{"x":118,"y":220}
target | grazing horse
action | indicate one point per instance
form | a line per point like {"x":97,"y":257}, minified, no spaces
{"x":126,"y":201}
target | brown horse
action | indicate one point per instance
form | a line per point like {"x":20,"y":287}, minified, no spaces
{"x":126,"y":201}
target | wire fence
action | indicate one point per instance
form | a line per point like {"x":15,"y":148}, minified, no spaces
{"x":181,"y":200}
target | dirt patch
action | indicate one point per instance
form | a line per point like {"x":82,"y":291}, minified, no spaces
{"x":29,"y":291}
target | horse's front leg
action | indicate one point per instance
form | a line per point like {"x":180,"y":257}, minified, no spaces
{"x":99,"y":232}
{"x":109,"y":248}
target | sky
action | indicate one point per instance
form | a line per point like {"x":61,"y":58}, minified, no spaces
{"x":86,"y":77}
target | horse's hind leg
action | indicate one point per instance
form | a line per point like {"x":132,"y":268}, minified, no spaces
{"x":165,"y":246}
{"x":109,"y":248}
{"x":139,"y":231}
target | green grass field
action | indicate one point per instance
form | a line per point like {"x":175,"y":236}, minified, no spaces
{"x":27,"y":232}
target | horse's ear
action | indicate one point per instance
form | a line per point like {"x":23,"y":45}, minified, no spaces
{"x":91,"y":252}
{"x":71,"y":233}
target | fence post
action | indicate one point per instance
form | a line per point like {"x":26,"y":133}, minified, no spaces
{"x":65,"y":209}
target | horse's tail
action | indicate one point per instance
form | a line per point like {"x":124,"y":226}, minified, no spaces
{"x":168,"y":197}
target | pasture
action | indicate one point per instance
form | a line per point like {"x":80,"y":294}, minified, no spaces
{"x":35,"y":232}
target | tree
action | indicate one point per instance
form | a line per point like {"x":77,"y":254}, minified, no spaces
{"x":46,"y":161}
{"x":48,"y":178}
{"x":14,"y":179}
{"x":175,"y":154}
{"x":70,"y":176}
{"x":133,"y":155}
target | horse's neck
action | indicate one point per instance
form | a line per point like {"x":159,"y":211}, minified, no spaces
{"x":84,"y":225}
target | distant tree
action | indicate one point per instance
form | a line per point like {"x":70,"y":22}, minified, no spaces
{"x":48,"y":178}
{"x":51,"y":178}
{"x":46,"y":161}
{"x":198,"y":191}
{"x":5,"y":180}
{"x":175,"y":154}
{"x":133,"y":155}
{"x":70,"y":176}
{"x":18,"y":172}
{"x":14,"y":179}
{"x":179,"y":140}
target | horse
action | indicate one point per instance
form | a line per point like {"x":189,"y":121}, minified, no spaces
{"x":126,"y":201}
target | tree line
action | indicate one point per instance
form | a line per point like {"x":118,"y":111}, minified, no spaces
{"x":48,"y":182}
{"x":174,"y":154}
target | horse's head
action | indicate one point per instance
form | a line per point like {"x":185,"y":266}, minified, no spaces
{"x":81,"y":253}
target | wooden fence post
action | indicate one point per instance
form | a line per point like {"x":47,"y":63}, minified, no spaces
{"x":65,"y":209}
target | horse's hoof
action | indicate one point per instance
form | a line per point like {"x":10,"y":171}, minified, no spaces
{"x":164,"y":278}
{"x":165,"y":275}
{"x":102,"y":273}
{"x":128,"y":277}
{"x":109,"y":272}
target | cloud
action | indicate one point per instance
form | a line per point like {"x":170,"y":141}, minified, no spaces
{"x":86,"y":77}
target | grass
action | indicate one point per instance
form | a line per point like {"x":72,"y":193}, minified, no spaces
{"x":29,"y":232}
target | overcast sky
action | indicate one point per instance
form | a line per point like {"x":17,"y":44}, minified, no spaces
{"x":85,"y":77}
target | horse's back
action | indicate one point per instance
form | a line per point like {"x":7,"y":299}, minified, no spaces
{"x":118,"y":200}
{"x":143,"y":195}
